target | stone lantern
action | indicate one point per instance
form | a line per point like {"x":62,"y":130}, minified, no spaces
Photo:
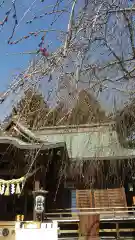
{"x":39,"y":204}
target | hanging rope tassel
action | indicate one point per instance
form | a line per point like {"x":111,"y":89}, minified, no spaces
{"x":18,"y":189}
{"x":12,"y":188}
{"x":2,"y":189}
{"x":7,"y":192}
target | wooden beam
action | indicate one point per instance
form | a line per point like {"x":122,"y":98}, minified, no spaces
{"x":36,"y":188}
{"x":11,"y":172}
{"x":18,"y":172}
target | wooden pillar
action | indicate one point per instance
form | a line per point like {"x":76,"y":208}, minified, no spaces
{"x":36,"y":188}
{"x":117,"y":231}
{"x":89,"y":227}
{"x":25,"y":206}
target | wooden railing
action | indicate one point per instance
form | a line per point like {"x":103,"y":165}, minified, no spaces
{"x":110,"y":212}
{"x":117,"y":226}
{"x":118,"y":222}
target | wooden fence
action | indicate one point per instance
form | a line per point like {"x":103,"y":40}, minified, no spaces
{"x":88,"y":224}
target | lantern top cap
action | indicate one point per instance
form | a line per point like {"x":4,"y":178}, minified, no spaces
{"x":40,"y":191}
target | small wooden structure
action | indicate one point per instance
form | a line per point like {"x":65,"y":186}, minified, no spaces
{"x":100,"y":199}
{"x":24,"y":154}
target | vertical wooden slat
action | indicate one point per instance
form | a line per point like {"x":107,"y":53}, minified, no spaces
{"x":36,"y":188}
{"x":83,"y":199}
{"x":77,"y":199}
{"x":124,"y":196}
{"x":91,"y":200}
{"x":117,"y":231}
{"x":101,"y":198}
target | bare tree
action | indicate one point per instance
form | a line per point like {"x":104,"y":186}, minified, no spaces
{"x":96,"y":57}
{"x":97,"y":54}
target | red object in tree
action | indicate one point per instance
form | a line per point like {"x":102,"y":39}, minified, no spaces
{"x":44,"y":52}
{"x":26,"y":76}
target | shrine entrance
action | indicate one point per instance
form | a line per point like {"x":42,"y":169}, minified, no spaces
{"x":48,"y":169}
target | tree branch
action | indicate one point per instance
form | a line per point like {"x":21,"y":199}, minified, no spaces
{"x":130,"y":28}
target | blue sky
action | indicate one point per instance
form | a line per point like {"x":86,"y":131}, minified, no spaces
{"x":11,"y":63}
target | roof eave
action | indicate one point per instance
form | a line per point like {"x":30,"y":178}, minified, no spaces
{"x":28,"y":146}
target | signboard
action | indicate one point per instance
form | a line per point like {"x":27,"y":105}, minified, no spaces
{"x":39,"y":204}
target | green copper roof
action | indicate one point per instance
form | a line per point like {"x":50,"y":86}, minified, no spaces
{"x":88,"y":142}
